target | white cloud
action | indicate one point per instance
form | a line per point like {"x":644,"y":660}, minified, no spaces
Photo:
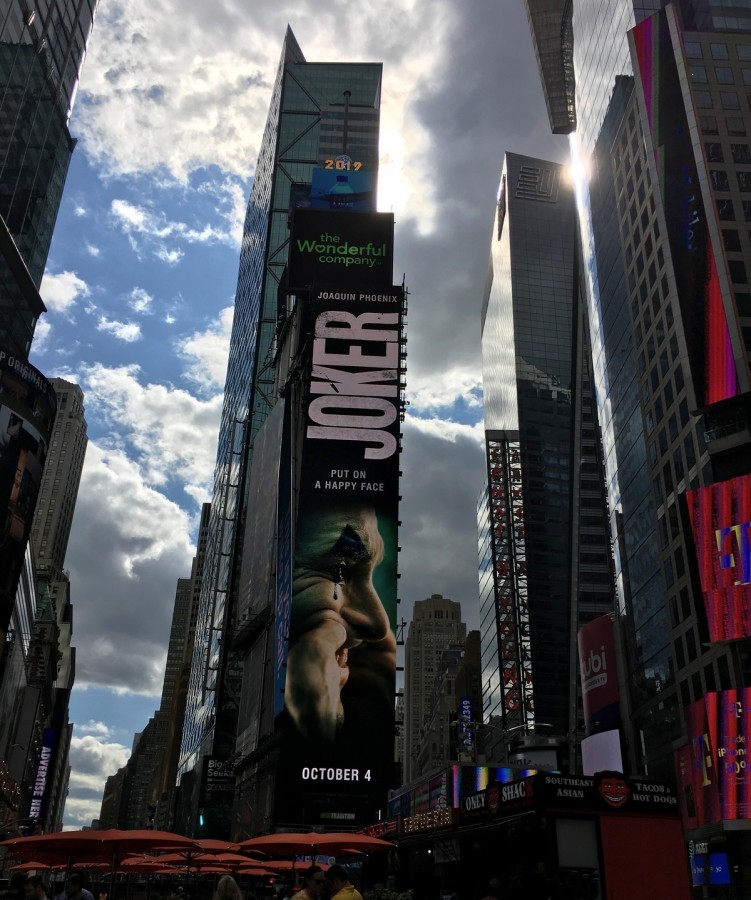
{"x":92,"y":727}
{"x":207,"y":353}
{"x":440,"y":390}
{"x":92,"y":250}
{"x":169,"y":319}
{"x":42,"y":334}
{"x":123,"y":331}
{"x":61,"y":291}
{"x":150,"y":230}
{"x":128,"y":547}
{"x":79,"y":212}
{"x":170,"y":433}
{"x":171,"y":257}
{"x":93,"y":760}
{"x":140,"y":300}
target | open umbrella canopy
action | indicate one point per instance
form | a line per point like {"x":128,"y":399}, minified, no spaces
{"x":311,"y":842}
{"x":111,"y":841}
{"x":202,"y":860}
{"x":30,"y":866}
{"x":255,"y":871}
{"x":284,"y":865}
{"x":212,"y":845}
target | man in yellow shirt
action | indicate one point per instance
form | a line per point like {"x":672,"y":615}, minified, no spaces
{"x":340,"y":887}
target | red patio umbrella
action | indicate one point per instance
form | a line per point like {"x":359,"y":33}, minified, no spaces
{"x":313,"y":842}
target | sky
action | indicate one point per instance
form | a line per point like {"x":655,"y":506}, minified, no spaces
{"x":141,"y":276}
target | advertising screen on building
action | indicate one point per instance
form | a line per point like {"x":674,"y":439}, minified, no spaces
{"x":338,"y":741}
{"x":712,"y":770}
{"x":599,"y":675}
{"x":720,"y":517}
{"x":339,"y":249}
{"x":27,"y":413}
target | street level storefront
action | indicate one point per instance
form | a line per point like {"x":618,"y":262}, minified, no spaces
{"x":548,"y":836}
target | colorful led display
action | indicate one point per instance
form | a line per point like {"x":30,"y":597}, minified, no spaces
{"x":720,"y":517}
{"x":713,"y":768}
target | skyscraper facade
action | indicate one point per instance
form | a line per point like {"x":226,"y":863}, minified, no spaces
{"x":660,"y":130}
{"x":42,"y":49}
{"x":545,"y":555}
{"x":323,"y":120}
{"x":53,"y":517}
{"x":436,"y":624}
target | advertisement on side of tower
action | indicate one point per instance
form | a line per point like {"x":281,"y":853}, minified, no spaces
{"x":599,"y":675}
{"x":713,"y":771}
{"x":27,"y":414}
{"x":720,"y":516}
{"x":338,"y":734}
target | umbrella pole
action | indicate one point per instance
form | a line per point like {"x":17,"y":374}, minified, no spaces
{"x":113,"y":876}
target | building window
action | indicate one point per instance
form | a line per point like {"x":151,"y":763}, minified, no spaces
{"x":719,"y":51}
{"x":724,"y":75}
{"x":735,"y":125}
{"x":730,"y":100}
{"x":703,"y":99}
{"x":698,"y":74}
{"x":693,"y":50}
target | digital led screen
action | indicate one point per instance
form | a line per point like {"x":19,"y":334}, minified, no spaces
{"x":342,"y":190}
{"x":27,"y":413}
{"x":720,"y":517}
{"x":712,"y":769}
{"x":340,"y":249}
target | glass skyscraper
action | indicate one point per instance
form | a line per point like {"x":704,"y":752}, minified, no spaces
{"x":659,"y":129}
{"x":319,"y":112}
{"x":545,"y":557}
{"x":42,"y":48}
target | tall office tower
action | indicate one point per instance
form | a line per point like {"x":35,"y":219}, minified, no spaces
{"x":661,"y":124}
{"x":50,"y":528}
{"x":42,"y":48}
{"x":436,"y":623}
{"x":449,"y":732}
{"x":147,"y":782}
{"x":545,"y":555}
{"x":320,"y":152}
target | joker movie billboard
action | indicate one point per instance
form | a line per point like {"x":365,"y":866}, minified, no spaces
{"x":338,"y":738}
{"x":720,"y":517}
{"x":27,"y":413}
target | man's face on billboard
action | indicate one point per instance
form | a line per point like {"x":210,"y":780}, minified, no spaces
{"x":336,"y":613}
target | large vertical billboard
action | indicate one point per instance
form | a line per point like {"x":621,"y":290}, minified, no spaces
{"x":598,"y":671}
{"x":713,"y":770}
{"x":27,"y":413}
{"x":338,"y":738}
{"x":720,"y":517}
